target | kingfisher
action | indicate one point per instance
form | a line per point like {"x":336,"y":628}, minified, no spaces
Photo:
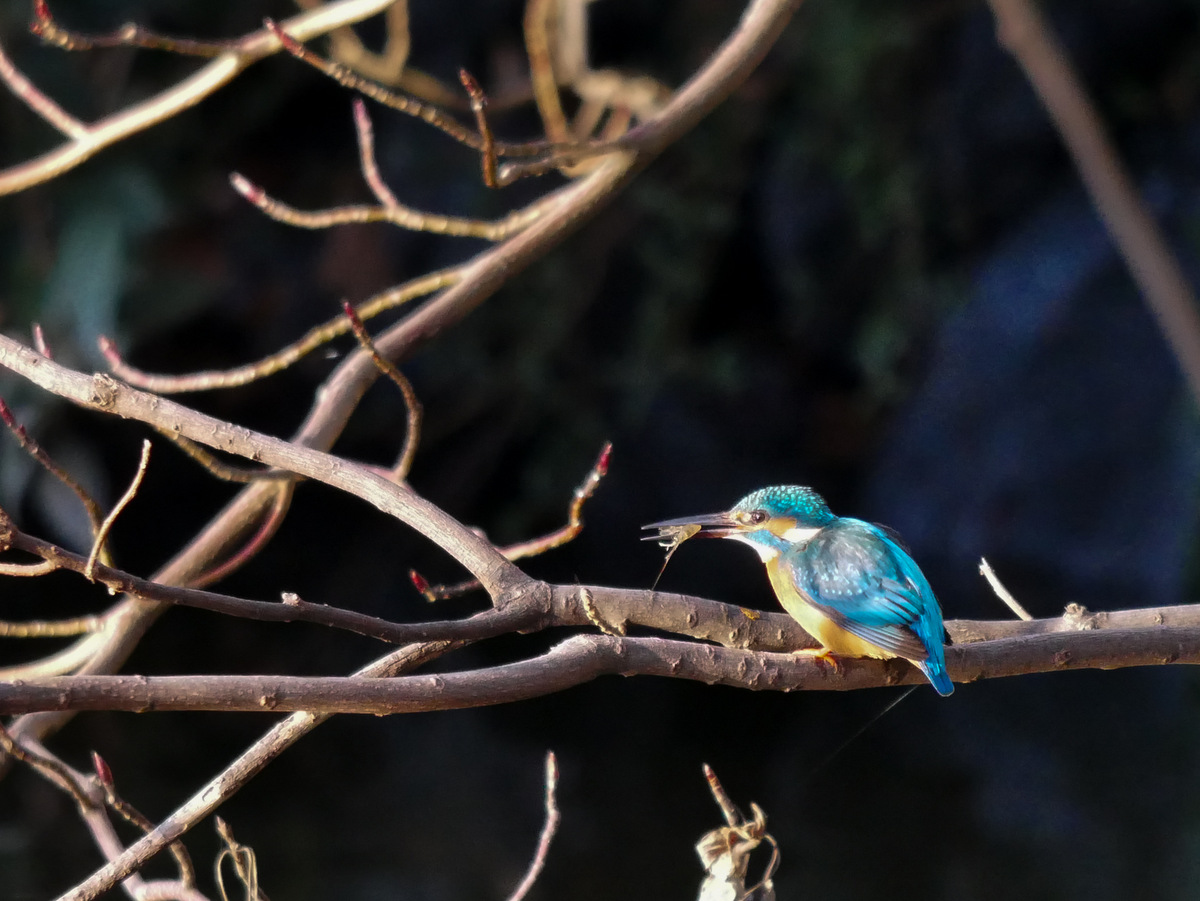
{"x":848,"y":583}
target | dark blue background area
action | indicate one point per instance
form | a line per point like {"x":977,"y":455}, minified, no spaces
{"x":873,"y":271}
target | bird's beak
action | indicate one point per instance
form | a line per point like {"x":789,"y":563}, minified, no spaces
{"x":706,"y":525}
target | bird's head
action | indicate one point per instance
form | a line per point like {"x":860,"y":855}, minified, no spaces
{"x":769,"y":520}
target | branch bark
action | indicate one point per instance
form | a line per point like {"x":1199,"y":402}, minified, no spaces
{"x":583,"y":658}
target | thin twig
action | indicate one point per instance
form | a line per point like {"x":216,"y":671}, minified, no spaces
{"x":39,"y":342}
{"x":410,"y":106}
{"x":106,"y":526}
{"x":489,"y":623}
{"x":281,"y":359}
{"x":487,"y":149}
{"x":398,"y":215}
{"x":541,"y":69}
{"x":1003,"y":593}
{"x":231,"y":779}
{"x":50,"y":768}
{"x":414,"y":412}
{"x":60,"y":628}
{"x":533,"y":547}
{"x":26,"y":91}
{"x":128,"y":35}
{"x":26,"y":570}
{"x":133,"y":816}
{"x":366,"y":155}
{"x":389,"y":67}
{"x":549,"y":828}
{"x":31,"y":447}
{"x":245,"y":863}
{"x":728,"y":809}
{"x":268,"y":524}
{"x":224,"y":471}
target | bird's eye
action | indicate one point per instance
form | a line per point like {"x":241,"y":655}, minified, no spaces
{"x":758,"y":517}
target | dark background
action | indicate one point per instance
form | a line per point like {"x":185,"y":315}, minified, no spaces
{"x":873,"y":271}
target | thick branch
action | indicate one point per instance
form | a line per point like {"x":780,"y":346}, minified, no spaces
{"x":582,"y":658}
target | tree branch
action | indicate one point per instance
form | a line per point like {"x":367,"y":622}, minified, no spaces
{"x":583,"y":658}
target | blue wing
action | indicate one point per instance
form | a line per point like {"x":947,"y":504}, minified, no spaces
{"x":862,"y":580}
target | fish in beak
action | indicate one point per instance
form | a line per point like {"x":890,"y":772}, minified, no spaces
{"x":674,"y":532}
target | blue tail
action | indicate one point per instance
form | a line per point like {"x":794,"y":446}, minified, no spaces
{"x":935,"y":672}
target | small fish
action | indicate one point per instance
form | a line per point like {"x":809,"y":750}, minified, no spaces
{"x":670,"y":536}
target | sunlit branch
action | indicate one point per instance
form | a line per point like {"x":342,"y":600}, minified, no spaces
{"x":188,"y":92}
{"x":582,"y":658}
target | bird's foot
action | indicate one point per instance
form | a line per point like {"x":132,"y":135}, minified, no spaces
{"x":822,"y":656}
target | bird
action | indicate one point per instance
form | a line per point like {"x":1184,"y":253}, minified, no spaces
{"x":850,"y":584}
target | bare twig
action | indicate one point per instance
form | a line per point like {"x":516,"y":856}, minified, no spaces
{"x":245,"y":863}
{"x":427,"y":112}
{"x":26,"y":570}
{"x":133,"y":816}
{"x":280,"y":360}
{"x":985,"y":569}
{"x":391,"y":66}
{"x":39,"y":342}
{"x":106,"y":526}
{"x":58,"y":628}
{"x":549,"y":828}
{"x":414,"y":411}
{"x":91,"y":797}
{"x":224,"y":471}
{"x":366,"y":155}
{"x":534,"y":546}
{"x":25,"y":90}
{"x":269,"y":521}
{"x":526,"y":615}
{"x":31,"y":447}
{"x":103,"y":393}
{"x":396,"y":214}
{"x":541,"y":69}
{"x":487,"y":148}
